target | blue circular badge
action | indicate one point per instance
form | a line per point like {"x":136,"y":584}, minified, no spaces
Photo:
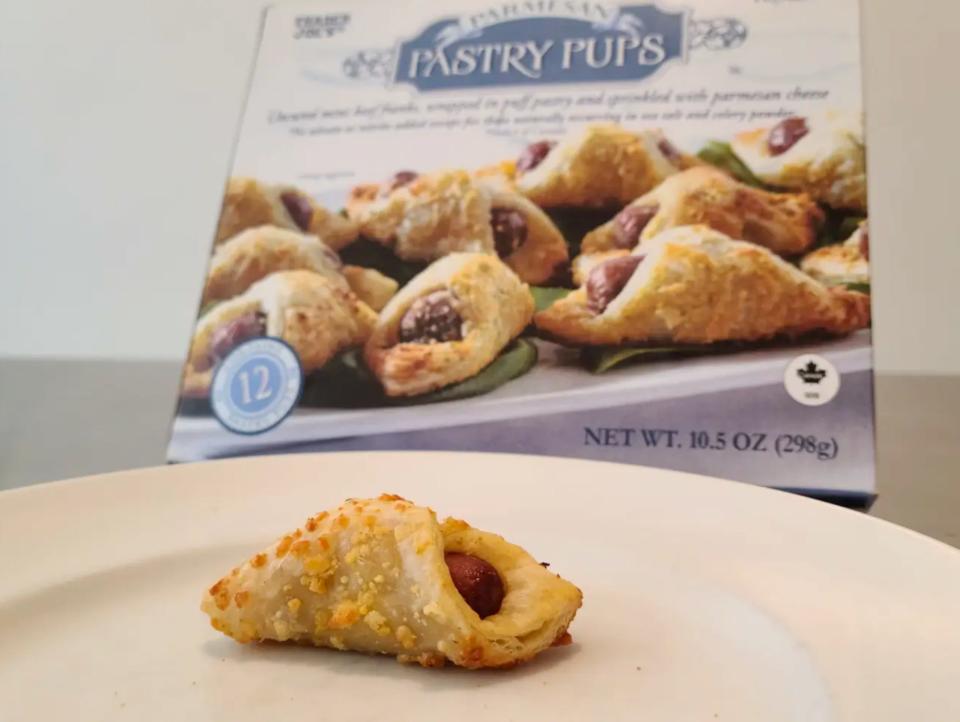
{"x":256,"y":386}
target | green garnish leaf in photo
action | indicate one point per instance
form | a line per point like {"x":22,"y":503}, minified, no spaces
{"x":601,"y":359}
{"x":721,"y":155}
{"x":546,"y":296}
{"x":516,"y":360}
{"x":838,"y":225}
{"x":849,"y":224}
{"x":345,"y":382}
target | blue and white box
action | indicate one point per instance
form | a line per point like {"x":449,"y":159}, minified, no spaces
{"x":634,"y":233}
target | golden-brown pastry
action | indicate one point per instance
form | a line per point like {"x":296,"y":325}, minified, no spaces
{"x":255,"y":253}
{"x":502,"y":175}
{"x":842,"y":263}
{"x":371,"y":286}
{"x":526,"y":238}
{"x":318,"y":315}
{"x":786,"y":223}
{"x":822,"y":155}
{"x":447,"y":324}
{"x":694,"y":285}
{"x":383,"y":576}
{"x":424,"y":217}
{"x":598,"y":166}
{"x":248,"y":203}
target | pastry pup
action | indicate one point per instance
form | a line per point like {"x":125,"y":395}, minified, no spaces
{"x":384,"y":576}
{"x":694,"y":285}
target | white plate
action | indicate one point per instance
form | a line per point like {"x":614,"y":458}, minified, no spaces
{"x":556,"y":385}
{"x":703,"y":600}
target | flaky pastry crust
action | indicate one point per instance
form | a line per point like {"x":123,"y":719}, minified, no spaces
{"x":370,"y":576}
{"x":786,"y":223}
{"x":602,"y":165}
{"x":371,"y":286}
{"x":545,"y":250}
{"x":248,"y":203}
{"x":698,"y":286}
{"x":319,"y":316}
{"x":494,"y":304}
{"x":841,"y":263}
{"x":257,"y":252}
{"x":450,"y":212}
{"x":829,"y":162}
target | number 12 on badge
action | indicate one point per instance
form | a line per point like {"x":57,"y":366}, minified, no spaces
{"x":257,"y":386}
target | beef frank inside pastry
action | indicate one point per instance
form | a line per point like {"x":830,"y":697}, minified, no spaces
{"x":248,"y":203}
{"x":822,"y":155}
{"x":694,"y":285}
{"x":842,"y":263}
{"x":447,"y":324}
{"x":384,"y":576}
{"x":786,"y":223}
{"x":318,"y":315}
{"x":597,"y":166}
{"x":424,"y":217}
{"x":255,"y":253}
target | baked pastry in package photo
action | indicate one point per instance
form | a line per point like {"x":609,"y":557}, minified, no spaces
{"x":549,"y":228}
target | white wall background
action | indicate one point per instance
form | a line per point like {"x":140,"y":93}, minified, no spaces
{"x":117,"y":119}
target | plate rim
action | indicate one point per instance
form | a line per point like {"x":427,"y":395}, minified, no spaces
{"x":730,"y":485}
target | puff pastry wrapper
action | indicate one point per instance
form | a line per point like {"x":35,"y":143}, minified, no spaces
{"x":450,"y":211}
{"x":370,"y":576}
{"x":696,"y":285}
{"x":248,"y":203}
{"x":493,"y":303}
{"x":318,"y":315}
{"x":786,"y":223}
{"x":257,"y":252}
{"x":841,"y":263}
{"x":829,"y":162}
{"x":601,"y":165}
{"x":254,"y":254}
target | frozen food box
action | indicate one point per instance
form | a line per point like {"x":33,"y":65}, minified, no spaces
{"x":634,"y":233}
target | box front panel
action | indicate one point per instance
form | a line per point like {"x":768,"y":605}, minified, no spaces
{"x":634,"y":233}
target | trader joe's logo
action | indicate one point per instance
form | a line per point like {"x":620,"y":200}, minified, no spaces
{"x":545,"y":41}
{"x":314,"y":27}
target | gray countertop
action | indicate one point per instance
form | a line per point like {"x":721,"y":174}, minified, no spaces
{"x":60,"y":419}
